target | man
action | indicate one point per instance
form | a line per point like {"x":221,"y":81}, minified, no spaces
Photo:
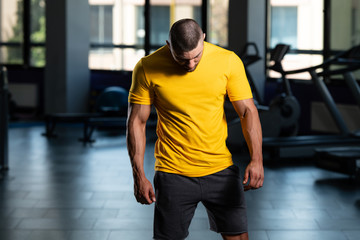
{"x":187,"y":80}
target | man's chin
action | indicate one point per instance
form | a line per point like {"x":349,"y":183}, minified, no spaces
{"x":190,"y":69}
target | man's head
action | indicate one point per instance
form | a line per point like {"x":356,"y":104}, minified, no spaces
{"x":186,"y":43}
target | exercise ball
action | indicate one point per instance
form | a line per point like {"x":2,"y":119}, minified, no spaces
{"x":113,"y":101}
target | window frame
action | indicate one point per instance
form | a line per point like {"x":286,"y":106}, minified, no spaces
{"x":26,"y":43}
{"x":326,"y":52}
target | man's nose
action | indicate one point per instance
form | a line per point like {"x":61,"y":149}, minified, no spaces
{"x":191,"y":63}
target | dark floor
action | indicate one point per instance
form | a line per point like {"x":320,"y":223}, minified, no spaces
{"x":61,"y":189}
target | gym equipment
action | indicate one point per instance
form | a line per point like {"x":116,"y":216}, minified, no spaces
{"x":281,"y":116}
{"x":111,"y":111}
{"x":4,"y":121}
{"x":344,"y":159}
{"x":346,"y":62}
{"x":113,"y":101}
{"x":285,"y":103}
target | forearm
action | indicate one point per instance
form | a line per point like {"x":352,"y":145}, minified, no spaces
{"x":136,"y":142}
{"x":136,"y":137}
{"x":251,"y":126}
{"x":252,"y":132}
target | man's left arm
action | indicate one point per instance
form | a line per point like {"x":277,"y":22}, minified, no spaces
{"x":251,"y":127}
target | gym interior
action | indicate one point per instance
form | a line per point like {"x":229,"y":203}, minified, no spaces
{"x":66,"y":69}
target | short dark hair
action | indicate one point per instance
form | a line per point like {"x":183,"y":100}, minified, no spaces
{"x":184,"y":35}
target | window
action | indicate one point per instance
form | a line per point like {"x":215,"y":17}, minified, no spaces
{"x":345,"y":24}
{"x":164,"y":13}
{"x":15,"y":46}
{"x":118,"y":29}
{"x":284,"y":21}
{"x":116,"y":34}
{"x":160,"y":25}
{"x":301,"y":25}
{"x":37,"y":33}
{"x":217,"y":32}
{"x":101,"y":25}
{"x":11,"y":37}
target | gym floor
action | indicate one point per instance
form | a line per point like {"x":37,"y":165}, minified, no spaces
{"x":59,"y":189}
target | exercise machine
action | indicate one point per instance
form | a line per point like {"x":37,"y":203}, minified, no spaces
{"x":344,"y":159}
{"x":280,"y":117}
{"x":110,"y":111}
{"x":285,"y":105}
{"x":346,"y":62}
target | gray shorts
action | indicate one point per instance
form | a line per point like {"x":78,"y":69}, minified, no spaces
{"x":177,"y":197}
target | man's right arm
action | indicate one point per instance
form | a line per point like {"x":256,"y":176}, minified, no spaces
{"x":136,"y":142}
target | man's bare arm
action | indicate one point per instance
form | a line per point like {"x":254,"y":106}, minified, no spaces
{"x":251,"y":126}
{"x":136,"y":142}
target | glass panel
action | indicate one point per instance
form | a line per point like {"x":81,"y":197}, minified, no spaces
{"x":160,"y":24}
{"x":284,"y":21}
{"x":165,"y":12}
{"x":115,"y":58}
{"x":345,"y":24}
{"x":121,"y":22}
{"x":116,"y":22}
{"x":11,"y":20}
{"x":37,"y":56}
{"x":94,"y":24}
{"x":11,"y":55}
{"x":101,"y":25}
{"x":299,"y":24}
{"x":38,"y":21}
{"x":218,"y":22}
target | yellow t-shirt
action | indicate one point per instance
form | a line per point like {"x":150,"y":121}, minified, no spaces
{"x":191,"y":128}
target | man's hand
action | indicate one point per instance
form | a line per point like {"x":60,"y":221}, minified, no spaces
{"x":255,"y":173}
{"x":143,"y":191}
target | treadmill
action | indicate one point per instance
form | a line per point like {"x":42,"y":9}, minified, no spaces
{"x":346,"y":63}
{"x":344,"y":159}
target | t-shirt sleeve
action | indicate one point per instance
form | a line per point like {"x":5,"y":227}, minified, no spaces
{"x":238,"y":87}
{"x":140,"y":90}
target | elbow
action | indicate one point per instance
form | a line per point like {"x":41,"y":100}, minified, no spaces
{"x":249,"y":112}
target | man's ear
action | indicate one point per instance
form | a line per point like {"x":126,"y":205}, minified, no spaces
{"x":204,"y":36}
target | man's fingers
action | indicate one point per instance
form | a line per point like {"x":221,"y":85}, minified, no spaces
{"x":144,"y":192}
{"x":246,"y":176}
{"x":247,"y":188}
{"x":253,"y":178}
{"x":152,"y":196}
{"x":149,"y":196}
{"x":255,"y":181}
{"x":147,"y":199}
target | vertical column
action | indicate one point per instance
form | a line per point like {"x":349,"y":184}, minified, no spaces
{"x":247,"y":23}
{"x":4,"y":121}
{"x":257,"y":30}
{"x":238,"y":29}
{"x":67,"y":75}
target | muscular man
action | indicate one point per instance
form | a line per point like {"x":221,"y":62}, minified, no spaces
{"x":187,"y":81}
